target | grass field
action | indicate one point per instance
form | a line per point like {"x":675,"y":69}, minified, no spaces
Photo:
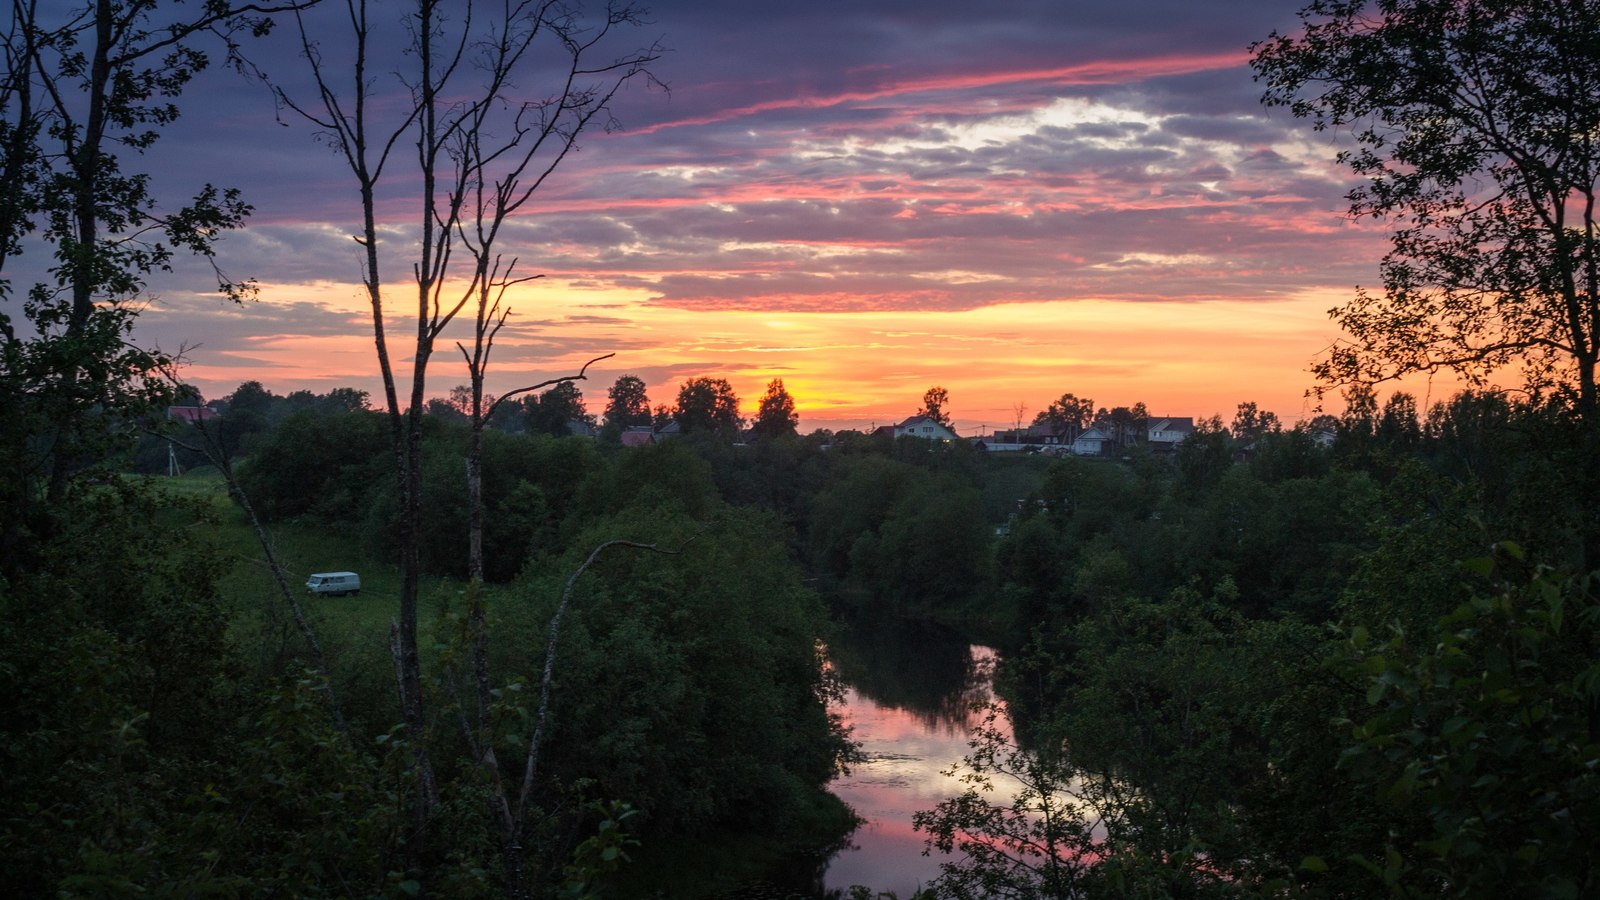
{"x":354,"y":631}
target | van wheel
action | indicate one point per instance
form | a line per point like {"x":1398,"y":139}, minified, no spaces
{"x":355,"y":593}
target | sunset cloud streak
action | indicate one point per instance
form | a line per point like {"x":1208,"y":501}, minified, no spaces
{"x":1100,"y":196}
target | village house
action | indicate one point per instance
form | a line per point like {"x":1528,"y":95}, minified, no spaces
{"x":1167,"y":433}
{"x":640,"y":435}
{"x":637,"y":435}
{"x":1162,"y":435}
{"x":1034,"y":436}
{"x":1093,"y":441}
{"x":925,"y":427}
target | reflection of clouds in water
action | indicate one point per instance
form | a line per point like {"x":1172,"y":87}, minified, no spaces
{"x":924,"y":669}
{"x":905,"y":755}
{"x":880,"y":769}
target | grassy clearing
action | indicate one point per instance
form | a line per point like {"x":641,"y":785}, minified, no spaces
{"x":354,"y":631}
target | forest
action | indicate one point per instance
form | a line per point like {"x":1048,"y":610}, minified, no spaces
{"x":1279,"y":665}
{"x":1355,"y":657}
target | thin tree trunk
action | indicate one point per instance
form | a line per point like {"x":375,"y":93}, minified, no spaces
{"x":219,"y":458}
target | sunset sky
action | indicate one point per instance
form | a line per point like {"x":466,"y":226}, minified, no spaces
{"x":1011,"y":200}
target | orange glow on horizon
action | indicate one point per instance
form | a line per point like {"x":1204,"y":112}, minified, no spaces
{"x":845,"y":369}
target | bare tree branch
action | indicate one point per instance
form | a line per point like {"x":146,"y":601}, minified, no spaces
{"x":213,"y":451}
{"x":532,"y":763}
{"x":581,"y":376}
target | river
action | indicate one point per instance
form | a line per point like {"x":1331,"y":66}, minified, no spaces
{"x":909,"y":693}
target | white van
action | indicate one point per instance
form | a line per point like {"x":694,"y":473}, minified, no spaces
{"x":334,"y":584}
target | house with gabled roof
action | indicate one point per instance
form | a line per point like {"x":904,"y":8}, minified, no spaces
{"x":925,"y":427}
{"x":637,"y":435}
{"x":1165,"y":434}
{"x":1094,"y":441}
{"x":1041,"y":435}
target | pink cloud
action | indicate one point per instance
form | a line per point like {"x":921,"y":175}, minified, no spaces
{"x":1093,"y":73}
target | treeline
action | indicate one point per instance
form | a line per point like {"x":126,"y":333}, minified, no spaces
{"x":943,"y":530}
{"x":703,"y":404}
{"x":907,"y":524}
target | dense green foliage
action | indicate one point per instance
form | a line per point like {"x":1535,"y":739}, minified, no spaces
{"x":1180,"y":665}
{"x":687,"y":681}
{"x":690,"y":684}
{"x":1471,"y":127}
{"x":1255,"y":666}
{"x":141,"y":754}
{"x":1261,"y":667}
{"x":1482,"y":733}
{"x":554,"y":410}
{"x":707,"y":404}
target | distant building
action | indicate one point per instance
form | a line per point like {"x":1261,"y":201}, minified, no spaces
{"x":638,"y":435}
{"x":1167,"y":433}
{"x":1092,"y":442}
{"x":1041,"y":435}
{"x":925,"y":427}
{"x":191,"y":414}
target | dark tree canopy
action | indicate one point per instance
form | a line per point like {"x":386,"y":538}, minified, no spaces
{"x":1125,"y":425}
{"x":627,"y":403}
{"x":775,"y":417}
{"x":1400,"y":425}
{"x":345,"y":399}
{"x":338,"y":400}
{"x":456,"y":407}
{"x":707,"y":404}
{"x":1067,"y":416}
{"x":1251,"y":422}
{"x":934,"y":403}
{"x":86,"y":91}
{"x":250,"y":397}
{"x":1474,"y":129}
{"x":555,"y":409}
{"x":442,"y":409}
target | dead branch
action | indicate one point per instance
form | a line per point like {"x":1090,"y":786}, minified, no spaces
{"x":213,"y":452}
{"x":581,"y":376}
{"x":532,"y":763}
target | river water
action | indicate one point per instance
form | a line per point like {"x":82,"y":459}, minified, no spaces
{"x":910,"y":692}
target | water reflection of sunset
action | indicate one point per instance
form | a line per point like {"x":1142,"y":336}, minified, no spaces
{"x":907,"y":755}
